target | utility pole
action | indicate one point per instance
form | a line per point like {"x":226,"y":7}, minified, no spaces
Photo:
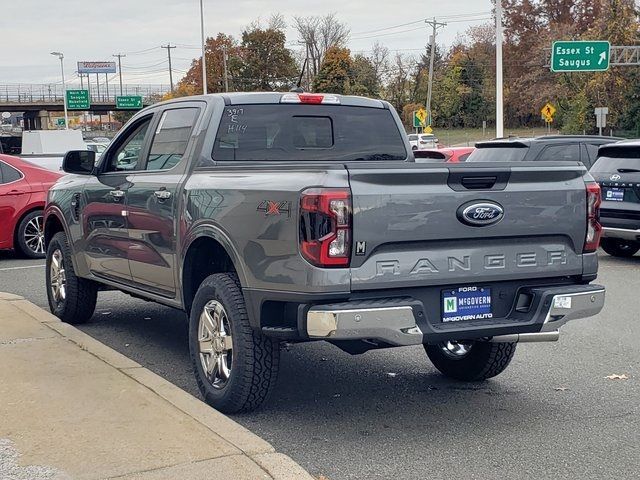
{"x":60,"y":56}
{"x":119,"y":56}
{"x":226,"y":73}
{"x":499,"y":99}
{"x":204,"y":47}
{"x":169,"y":47}
{"x":435,"y":25}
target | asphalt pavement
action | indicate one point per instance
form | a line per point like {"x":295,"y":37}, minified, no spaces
{"x":388,"y":414}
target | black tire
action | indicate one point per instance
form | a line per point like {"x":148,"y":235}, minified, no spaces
{"x":80,"y":295}
{"x":619,"y":248}
{"x":254,"y":358}
{"x":29,"y":237}
{"x":483,"y":360}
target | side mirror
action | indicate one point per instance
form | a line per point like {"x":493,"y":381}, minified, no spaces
{"x":80,"y":162}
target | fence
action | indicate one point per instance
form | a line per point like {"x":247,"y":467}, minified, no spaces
{"x":52,"y":93}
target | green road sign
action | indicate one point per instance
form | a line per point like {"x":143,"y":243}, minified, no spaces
{"x":78,"y":99}
{"x":129,"y":102}
{"x":60,"y":122}
{"x":580,"y":56}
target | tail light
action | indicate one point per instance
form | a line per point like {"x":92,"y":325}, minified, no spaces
{"x":594,"y":229}
{"x":325,"y":226}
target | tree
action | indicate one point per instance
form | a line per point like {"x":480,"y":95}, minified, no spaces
{"x":191,"y":83}
{"x":363,"y":79}
{"x":335,"y":72}
{"x":267,"y":63}
{"x":319,"y":34}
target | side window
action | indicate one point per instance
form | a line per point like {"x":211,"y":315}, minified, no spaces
{"x":8,"y":174}
{"x":127,"y":155}
{"x":171,"y":138}
{"x":592,"y":150}
{"x":560,"y":152}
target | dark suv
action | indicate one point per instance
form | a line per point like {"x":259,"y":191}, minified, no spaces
{"x":581,"y":148}
{"x":617,"y":170}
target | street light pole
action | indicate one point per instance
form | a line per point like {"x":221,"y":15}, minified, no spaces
{"x":204,"y":61}
{"x":60,"y":56}
{"x":499,"y":99}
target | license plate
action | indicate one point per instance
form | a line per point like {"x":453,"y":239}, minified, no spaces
{"x":466,"y":303}
{"x":614,"y":194}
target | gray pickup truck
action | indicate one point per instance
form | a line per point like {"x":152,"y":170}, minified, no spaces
{"x":292,"y":217}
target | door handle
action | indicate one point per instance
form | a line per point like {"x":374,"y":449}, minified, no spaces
{"x":162,"y":194}
{"x":117,"y":194}
{"x":15,"y":192}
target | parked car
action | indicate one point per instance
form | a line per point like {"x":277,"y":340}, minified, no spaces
{"x":23,"y":190}
{"x":617,"y":170}
{"x":580,"y":148}
{"x":272,"y":217}
{"x":448,"y":155}
{"x":97,"y":147}
{"x":420,"y":141}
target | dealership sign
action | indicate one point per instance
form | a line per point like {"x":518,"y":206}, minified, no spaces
{"x":96,"y":67}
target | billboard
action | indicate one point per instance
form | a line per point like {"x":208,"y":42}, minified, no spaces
{"x":96,"y":67}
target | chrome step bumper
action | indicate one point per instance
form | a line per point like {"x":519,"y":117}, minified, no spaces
{"x":396,"y":325}
{"x":621,"y":233}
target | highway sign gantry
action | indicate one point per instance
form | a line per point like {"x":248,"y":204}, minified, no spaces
{"x":129,"y":102}
{"x":78,"y":99}
{"x":580,"y":56}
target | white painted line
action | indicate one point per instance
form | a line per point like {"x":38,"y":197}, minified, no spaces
{"x":21,"y":268}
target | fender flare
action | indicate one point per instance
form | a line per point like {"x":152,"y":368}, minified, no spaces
{"x":210,"y":230}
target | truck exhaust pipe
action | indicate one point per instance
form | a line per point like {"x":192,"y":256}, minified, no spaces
{"x":528,"y":337}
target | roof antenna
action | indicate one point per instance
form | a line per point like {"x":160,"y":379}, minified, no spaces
{"x":298,"y":88}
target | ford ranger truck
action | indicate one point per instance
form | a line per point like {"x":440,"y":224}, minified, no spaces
{"x":295,"y":217}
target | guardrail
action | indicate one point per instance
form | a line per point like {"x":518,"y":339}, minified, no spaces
{"x":53,"y":93}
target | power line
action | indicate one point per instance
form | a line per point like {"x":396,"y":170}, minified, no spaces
{"x":391,"y":33}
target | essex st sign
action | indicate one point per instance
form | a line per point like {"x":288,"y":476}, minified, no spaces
{"x":580,"y":56}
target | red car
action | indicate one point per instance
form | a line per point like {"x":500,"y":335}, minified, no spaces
{"x":23,"y":193}
{"x":448,"y":155}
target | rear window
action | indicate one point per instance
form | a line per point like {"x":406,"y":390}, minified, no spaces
{"x":498,"y":154}
{"x":307,"y":133}
{"x":616,"y":164}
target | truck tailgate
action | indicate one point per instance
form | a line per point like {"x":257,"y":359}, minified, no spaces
{"x":409,"y":229}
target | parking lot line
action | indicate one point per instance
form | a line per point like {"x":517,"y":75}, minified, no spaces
{"x":20,"y":268}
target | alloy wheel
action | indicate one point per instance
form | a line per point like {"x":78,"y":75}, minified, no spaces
{"x":215,"y":344}
{"x":58,"y":279}
{"x":455,"y":349}
{"x":34,"y":235}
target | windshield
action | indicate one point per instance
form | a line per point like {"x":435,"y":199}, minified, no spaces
{"x":299,"y":132}
{"x":498,"y":154}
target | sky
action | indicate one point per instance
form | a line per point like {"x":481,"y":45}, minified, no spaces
{"x":90,"y":30}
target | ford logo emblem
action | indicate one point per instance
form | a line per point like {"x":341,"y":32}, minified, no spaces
{"x":480,"y":214}
{"x":615,"y":177}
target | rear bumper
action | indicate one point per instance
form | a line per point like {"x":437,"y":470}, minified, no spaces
{"x":621,"y":233}
{"x":400,"y":322}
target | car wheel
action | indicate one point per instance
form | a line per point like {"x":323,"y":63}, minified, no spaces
{"x":72,"y":299}
{"x":619,"y":248}
{"x":471,"y":360}
{"x":30,"y":235}
{"x":235,"y":366}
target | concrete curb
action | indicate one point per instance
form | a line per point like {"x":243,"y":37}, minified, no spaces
{"x":277,"y":465}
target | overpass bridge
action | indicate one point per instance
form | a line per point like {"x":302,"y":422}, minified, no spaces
{"x":35,"y":101}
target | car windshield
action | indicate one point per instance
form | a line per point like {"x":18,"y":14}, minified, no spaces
{"x":498,"y":154}
{"x":284,"y":132}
